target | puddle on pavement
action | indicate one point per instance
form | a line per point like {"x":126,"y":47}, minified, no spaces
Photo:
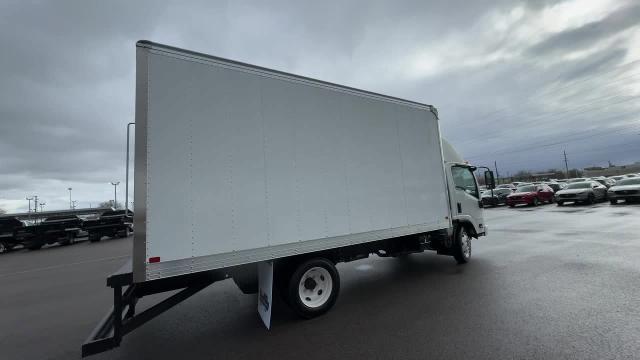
{"x":621,"y":213}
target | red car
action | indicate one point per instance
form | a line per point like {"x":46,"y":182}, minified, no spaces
{"x":531,"y":195}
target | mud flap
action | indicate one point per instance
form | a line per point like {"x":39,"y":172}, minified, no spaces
{"x":265,"y":287}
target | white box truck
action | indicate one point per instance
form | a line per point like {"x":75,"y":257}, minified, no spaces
{"x":240,"y":168}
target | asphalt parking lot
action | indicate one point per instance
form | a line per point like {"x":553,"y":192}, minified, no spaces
{"x":547,"y":283}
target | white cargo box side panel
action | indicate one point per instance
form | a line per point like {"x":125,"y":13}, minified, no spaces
{"x":244,"y":164}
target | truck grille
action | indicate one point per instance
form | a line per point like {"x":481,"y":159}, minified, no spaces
{"x":567,"y":195}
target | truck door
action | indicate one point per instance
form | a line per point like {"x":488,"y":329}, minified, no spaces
{"x":465,"y":202}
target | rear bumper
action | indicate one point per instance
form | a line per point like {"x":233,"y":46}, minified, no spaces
{"x":122,"y":318}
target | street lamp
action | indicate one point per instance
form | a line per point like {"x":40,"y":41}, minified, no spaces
{"x":115,"y":194}
{"x":42,"y":206}
{"x":29,"y":198}
{"x":73,"y":204}
{"x":70,"y":204}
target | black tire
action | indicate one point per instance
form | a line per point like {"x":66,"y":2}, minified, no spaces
{"x":591,"y":199}
{"x":613,"y":201}
{"x":35,"y":247}
{"x":94,"y":237}
{"x":511,"y":205}
{"x":560,"y":203}
{"x":312,"y":275}
{"x":71,"y":239}
{"x":535,"y":202}
{"x":462,"y":245}
{"x":4,"y":247}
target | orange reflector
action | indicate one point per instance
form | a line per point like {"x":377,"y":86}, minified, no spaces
{"x":154,"y":259}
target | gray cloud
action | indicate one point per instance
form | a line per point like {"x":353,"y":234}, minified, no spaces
{"x":590,"y":33}
{"x":68,"y":76}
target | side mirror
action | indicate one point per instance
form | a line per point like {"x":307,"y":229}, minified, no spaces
{"x":489,"y":180}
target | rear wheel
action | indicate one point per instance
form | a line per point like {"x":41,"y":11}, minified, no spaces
{"x":591,"y":199}
{"x":462,"y":245}
{"x":93,"y":237}
{"x":4,"y":247}
{"x":560,"y":203}
{"x":313,"y":287}
{"x":35,"y":247}
{"x":535,"y":202}
{"x":613,"y":201}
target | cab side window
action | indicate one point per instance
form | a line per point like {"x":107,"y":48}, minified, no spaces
{"x":464,"y":180}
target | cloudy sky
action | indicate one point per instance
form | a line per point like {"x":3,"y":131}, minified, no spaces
{"x":515,"y":82}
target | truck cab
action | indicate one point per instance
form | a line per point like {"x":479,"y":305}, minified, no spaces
{"x":464,"y":193}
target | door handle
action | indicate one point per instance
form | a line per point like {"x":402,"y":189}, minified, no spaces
{"x":459,"y":208}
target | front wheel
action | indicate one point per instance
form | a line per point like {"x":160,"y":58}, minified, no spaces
{"x":560,"y":203}
{"x":535,"y":202}
{"x":591,"y":199}
{"x":313,"y":287}
{"x":4,"y":247}
{"x":613,"y":201}
{"x":462,"y":245}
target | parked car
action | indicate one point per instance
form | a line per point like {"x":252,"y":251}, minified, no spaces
{"x":8,"y":229}
{"x":587,"y":192}
{"x":625,"y":189}
{"x":616,"y":178}
{"x":604,"y":181}
{"x":556,"y":186}
{"x":112,"y":223}
{"x":631,"y":175}
{"x":530,"y":195}
{"x":62,"y":229}
{"x":495,"y":197}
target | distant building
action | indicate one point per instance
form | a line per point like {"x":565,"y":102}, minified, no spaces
{"x":611,"y":170}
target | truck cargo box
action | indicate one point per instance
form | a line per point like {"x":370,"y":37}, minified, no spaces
{"x":237,"y":164}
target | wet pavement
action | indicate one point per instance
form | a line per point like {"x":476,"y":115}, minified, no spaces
{"x":547,"y":283}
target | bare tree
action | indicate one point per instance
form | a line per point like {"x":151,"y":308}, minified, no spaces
{"x":109,"y":203}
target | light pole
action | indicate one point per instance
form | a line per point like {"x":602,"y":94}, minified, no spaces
{"x":35,"y":202}
{"x":126,"y":178}
{"x":29,"y":198}
{"x":42,"y":206}
{"x":115,"y":194}
{"x":73,"y":204}
{"x":70,"y":204}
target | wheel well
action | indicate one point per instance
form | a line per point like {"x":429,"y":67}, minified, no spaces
{"x":467,"y":225}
